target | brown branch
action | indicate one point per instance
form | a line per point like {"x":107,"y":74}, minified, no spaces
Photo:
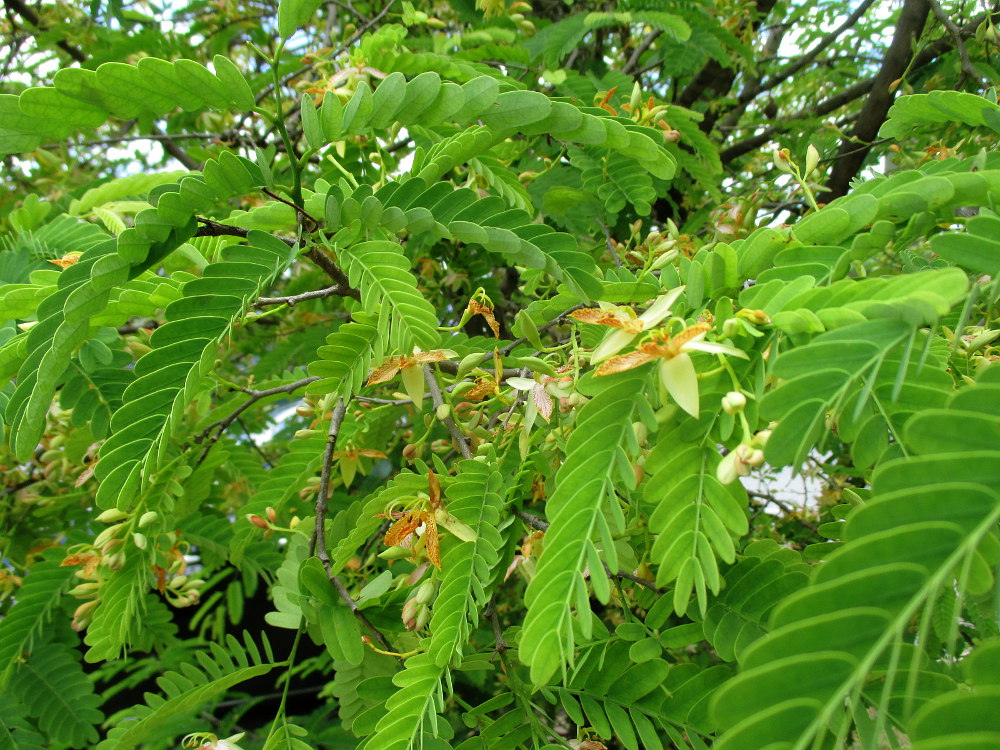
{"x":335,"y":272}
{"x":537,"y":523}
{"x":968,"y":70}
{"x":531,"y":519}
{"x":438,"y":400}
{"x":221,"y":425}
{"x":317,"y":545}
{"x":499,"y":644}
{"x":928,"y":54}
{"x":31,"y":17}
{"x":782,"y":505}
{"x":897,"y":60}
{"x":177,"y":152}
{"x":331,"y":291}
{"x":646,"y":43}
{"x":714,"y":77}
{"x":808,"y":57}
{"x":211,"y":228}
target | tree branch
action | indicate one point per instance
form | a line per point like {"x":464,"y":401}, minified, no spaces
{"x":537,"y":523}
{"x":928,"y":54}
{"x":331,"y":291}
{"x":221,"y":425}
{"x":31,"y":17}
{"x":633,"y":59}
{"x":211,"y":228}
{"x":968,"y":70}
{"x":438,"y":400}
{"x":808,"y":57}
{"x":317,"y":545}
{"x":897,"y":60}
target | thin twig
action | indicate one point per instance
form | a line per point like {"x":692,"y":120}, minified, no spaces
{"x":531,"y":519}
{"x":610,"y":243}
{"x":500,"y":645}
{"x":438,"y":400}
{"x":221,"y":425}
{"x":333,"y":55}
{"x":968,"y":69}
{"x":292,"y":204}
{"x":633,"y":59}
{"x":268,"y":461}
{"x":211,"y":228}
{"x":317,"y":545}
{"x":331,"y":291}
{"x":537,"y":523}
{"x":335,"y":272}
{"x":783,"y":506}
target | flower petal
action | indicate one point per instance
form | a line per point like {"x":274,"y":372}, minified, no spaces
{"x":413,"y":384}
{"x":521,"y":384}
{"x":660,"y":308}
{"x":623,"y":362}
{"x":681,"y":381}
{"x":385,"y":371}
{"x":613,"y":343}
{"x":713,"y":347}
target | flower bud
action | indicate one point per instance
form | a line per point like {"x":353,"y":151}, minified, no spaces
{"x":423,"y":616}
{"x":727,"y":472}
{"x":761,"y":438}
{"x":257,"y":521}
{"x":395,"y":553}
{"x":107,"y":535}
{"x":303,"y":434}
{"x":111,"y":515}
{"x":781,"y":160}
{"x":812,"y":159}
{"x":755,"y":457}
{"x":409,"y":614}
{"x":426,"y":591}
{"x":271,"y":514}
{"x":636,"y":97}
{"x":147,"y":518}
{"x":442,"y":412}
{"x":734,"y":402}
{"x":85,"y":589}
{"x":139,"y":540}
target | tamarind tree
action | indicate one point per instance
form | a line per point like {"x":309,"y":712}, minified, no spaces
{"x":398,"y":375}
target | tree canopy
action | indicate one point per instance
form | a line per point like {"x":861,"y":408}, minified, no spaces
{"x":399,"y":375}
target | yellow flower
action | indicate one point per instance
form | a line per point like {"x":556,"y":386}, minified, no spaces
{"x":677,"y":371}
{"x":627,"y":324}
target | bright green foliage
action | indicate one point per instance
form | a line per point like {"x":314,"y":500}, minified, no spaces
{"x":472,"y":353}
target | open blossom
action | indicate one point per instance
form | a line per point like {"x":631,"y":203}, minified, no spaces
{"x":628,"y":326}
{"x":676,"y":369}
{"x":411,"y":368}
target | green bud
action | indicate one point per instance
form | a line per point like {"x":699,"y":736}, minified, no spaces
{"x":426,"y":591}
{"x":112,"y":515}
{"x":395,"y":553}
{"x":442,"y":412}
{"x":147,"y":518}
{"x":636,"y":98}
